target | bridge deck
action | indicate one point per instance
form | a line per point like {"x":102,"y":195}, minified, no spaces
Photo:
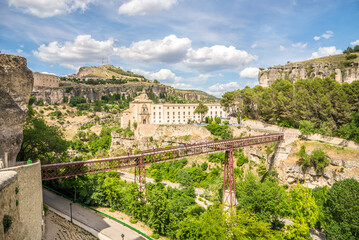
{"x":60,"y":170}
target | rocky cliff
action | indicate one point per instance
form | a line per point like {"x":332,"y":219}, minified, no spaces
{"x":50,"y":95}
{"x":16,"y":83}
{"x":333,"y":66}
{"x":343,"y":155}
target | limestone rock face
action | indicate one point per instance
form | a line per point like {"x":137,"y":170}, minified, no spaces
{"x":16,"y":83}
{"x":48,"y":95}
{"x":295,"y":71}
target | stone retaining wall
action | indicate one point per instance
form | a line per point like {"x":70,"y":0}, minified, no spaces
{"x":29,"y":196}
{"x":9,"y":197}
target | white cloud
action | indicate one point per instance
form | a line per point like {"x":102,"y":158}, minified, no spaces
{"x":326,"y":51}
{"x":355,"y":43}
{"x":183,"y":86}
{"x":169,"y":50}
{"x":254,"y":45}
{"x":326,"y":35}
{"x":48,"y":73}
{"x":142,"y":7}
{"x":219,"y":89}
{"x":217,"y":57}
{"x":250,"y":72}
{"x":299,"y":45}
{"x":163,"y":75}
{"x":49,"y":8}
{"x":282,"y":48}
{"x":83,"y":50}
{"x":19,"y":50}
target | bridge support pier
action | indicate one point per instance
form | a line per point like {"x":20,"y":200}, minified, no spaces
{"x":140,"y":175}
{"x":229,"y":188}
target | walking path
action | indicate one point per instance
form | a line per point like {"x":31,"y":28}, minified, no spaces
{"x":102,"y":227}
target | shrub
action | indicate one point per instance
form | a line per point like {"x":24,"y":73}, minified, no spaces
{"x":316,"y":159}
{"x":40,"y":103}
{"x":204,"y":166}
{"x":306,"y":127}
{"x":45,"y":208}
{"x":77,"y":100}
{"x":69,"y":89}
{"x":133,"y":221}
{"x":7,"y":221}
{"x":155,"y":236}
{"x":351,"y":56}
{"x":241,"y":158}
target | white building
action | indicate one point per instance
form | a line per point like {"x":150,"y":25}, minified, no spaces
{"x":143,"y":111}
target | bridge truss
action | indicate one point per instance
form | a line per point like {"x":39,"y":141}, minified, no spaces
{"x":140,"y":160}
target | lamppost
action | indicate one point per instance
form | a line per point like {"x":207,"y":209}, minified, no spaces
{"x":71,"y":211}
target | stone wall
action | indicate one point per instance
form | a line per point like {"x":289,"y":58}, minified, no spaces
{"x":30,"y":205}
{"x":16,"y":83}
{"x":332,"y":140}
{"x":45,"y":80}
{"x":9,"y":197}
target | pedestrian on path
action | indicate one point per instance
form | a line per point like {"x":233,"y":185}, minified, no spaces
{"x":1,"y":163}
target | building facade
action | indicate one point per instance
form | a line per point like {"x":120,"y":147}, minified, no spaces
{"x":45,"y":80}
{"x":143,"y":111}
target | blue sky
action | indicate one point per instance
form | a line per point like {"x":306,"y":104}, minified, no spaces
{"x":215,"y":46}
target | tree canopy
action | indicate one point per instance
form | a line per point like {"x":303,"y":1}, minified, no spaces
{"x":201,"y":109}
{"x":313,"y":105}
{"x":41,"y":141}
{"x":342,"y":210}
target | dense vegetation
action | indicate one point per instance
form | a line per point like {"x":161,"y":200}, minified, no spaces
{"x":313,"y":105}
{"x":261,"y":205}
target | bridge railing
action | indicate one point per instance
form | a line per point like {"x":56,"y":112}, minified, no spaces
{"x":60,"y":170}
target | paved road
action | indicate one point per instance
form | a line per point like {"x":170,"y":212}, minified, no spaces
{"x":104,"y":227}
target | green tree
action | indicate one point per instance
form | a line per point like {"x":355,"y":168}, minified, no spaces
{"x":158,"y":216}
{"x":341,"y":210}
{"x":304,"y":212}
{"x":267,"y":200}
{"x":184,"y":178}
{"x":201,"y":109}
{"x":42,"y":142}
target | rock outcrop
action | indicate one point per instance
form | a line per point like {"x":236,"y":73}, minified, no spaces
{"x":16,"y":83}
{"x":301,"y":70}
{"x":148,"y":136}
{"x":342,"y":154}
